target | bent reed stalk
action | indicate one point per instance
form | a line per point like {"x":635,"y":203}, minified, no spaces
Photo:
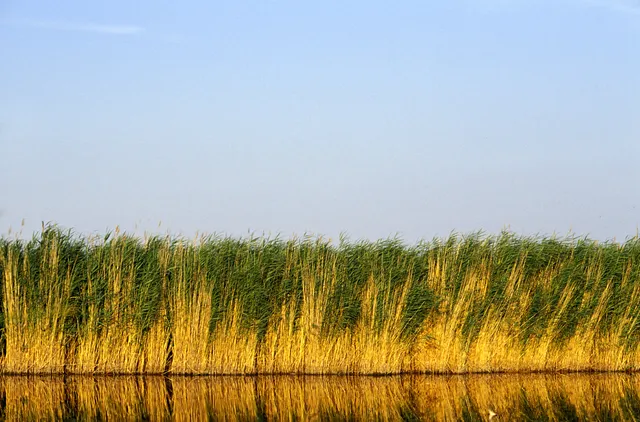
{"x":125,"y":305}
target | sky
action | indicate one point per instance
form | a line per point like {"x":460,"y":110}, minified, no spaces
{"x":369,"y":118}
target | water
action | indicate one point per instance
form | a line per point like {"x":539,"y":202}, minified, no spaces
{"x":511,"y":397}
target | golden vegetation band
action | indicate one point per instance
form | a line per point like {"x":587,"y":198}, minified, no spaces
{"x":454,"y":398}
{"x":125,"y":305}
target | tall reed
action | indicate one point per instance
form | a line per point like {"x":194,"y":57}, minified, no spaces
{"x":213,"y":305}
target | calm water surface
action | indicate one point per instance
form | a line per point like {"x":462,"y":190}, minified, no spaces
{"x":511,"y":397}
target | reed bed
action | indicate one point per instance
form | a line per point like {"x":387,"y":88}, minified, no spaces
{"x":536,"y":397}
{"x":119,"y":304}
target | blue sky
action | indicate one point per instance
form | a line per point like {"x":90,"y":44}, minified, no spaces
{"x":373,"y":118}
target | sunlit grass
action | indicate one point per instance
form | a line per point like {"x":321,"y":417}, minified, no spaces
{"x":212,"y":305}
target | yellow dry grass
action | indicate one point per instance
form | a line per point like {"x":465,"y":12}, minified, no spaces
{"x":34,"y":335}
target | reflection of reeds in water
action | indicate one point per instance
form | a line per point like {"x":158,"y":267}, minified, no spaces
{"x":37,"y":398}
{"x":512,"y":397}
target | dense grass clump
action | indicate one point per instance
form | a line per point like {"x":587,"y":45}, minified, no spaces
{"x":121,"y":304}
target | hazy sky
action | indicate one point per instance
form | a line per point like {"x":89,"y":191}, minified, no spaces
{"x":373,"y":118}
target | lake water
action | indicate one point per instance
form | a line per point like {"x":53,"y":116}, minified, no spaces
{"x":511,"y":397}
